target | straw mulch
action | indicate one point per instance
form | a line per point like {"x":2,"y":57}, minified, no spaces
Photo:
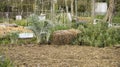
{"x":4,"y":30}
{"x":64,"y":36}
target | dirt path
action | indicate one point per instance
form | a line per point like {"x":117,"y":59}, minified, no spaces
{"x":63,"y":56}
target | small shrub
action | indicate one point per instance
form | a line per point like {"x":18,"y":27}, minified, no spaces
{"x":99,"y":35}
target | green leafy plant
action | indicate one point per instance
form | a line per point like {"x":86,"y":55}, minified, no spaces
{"x":41,"y":28}
{"x":4,"y":41}
{"x":21,"y":22}
{"x":13,"y":36}
{"x":116,"y":19}
{"x":9,"y":38}
{"x":61,"y":26}
{"x":4,"y":62}
{"x":99,"y":35}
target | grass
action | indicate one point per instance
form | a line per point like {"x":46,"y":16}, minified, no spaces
{"x":7,"y":41}
{"x":4,"y":61}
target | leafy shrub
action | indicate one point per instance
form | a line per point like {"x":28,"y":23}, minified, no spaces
{"x":99,"y":35}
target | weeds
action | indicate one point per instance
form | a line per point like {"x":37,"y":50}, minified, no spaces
{"x":4,"y":61}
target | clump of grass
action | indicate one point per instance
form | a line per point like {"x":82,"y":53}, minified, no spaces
{"x":5,"y":62}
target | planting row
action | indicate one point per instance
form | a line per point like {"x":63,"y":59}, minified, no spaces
{"x":80,"y":33}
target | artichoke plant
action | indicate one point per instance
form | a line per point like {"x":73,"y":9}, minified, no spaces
{"x":41,"y":28}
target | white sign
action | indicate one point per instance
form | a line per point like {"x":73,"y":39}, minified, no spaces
{"x":18,"y":17}
{"x":26,"y":35}
{"x":101,"y":8}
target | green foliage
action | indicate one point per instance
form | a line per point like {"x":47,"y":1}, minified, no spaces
{"x":4,"y":41}
{"x":3,"y":4}
{"x":62,"y":18}
{"x":62,"y":22}
{"x":26,"y":41}
{"x":100,"y":16}
{"x":7,"y":41}
{"x":10,"y":38}
{"x":99,"y":35}
{"x":4,"y":62}
{"x":77,"y":24}
{"x":41,"y":28}
{"x":21,"y":22}
{"x":13,"y":36}
{"x":116,"y":19}
{"x":61,"y":26}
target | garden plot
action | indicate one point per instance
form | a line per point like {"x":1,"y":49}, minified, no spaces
{"x":63,"y":56}
{"x":8,"y":28}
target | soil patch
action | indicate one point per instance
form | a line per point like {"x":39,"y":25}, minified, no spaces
{"x":63,"y":56}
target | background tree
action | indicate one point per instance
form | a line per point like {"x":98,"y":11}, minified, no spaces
{"x":109,"y":14}
{"x":72,"y":5}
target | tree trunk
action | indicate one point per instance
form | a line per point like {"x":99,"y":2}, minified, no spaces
{"x":93,"y":9}
{"x":72,"y":10}
{"x":66,"y":5}
{"x":109,"y":14}
{"x":76,"y":7}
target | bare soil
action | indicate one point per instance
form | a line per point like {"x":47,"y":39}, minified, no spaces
{"x":63,"y":56}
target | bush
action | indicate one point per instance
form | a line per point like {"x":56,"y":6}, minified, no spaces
{"x":99,"y":35}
